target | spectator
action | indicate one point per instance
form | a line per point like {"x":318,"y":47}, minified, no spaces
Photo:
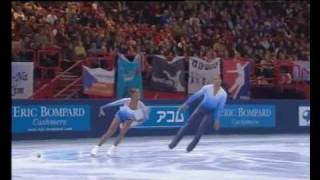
{"x":69,"y":52}
{"x":93,"y":49}
{"x":16,"y":55}
{"x":51,"y":18}
{"x":79,"y":50}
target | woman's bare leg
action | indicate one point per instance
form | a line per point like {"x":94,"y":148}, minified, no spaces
{"x":111,"y":130}
{"x":123,"y":132}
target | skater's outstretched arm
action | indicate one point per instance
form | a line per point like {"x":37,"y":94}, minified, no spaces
{"x":194,"y":97}
{"x":116,"y":103}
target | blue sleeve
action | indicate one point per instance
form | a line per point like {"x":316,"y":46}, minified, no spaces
{"x":220,"y":108}
{"x":195,"y":96}
{"x":116,"y":103}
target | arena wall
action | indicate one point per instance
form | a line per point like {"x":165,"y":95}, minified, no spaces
{"x":59,"y":119}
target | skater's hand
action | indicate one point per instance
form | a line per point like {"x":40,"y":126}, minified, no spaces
{"x":216,"y":125}
{"x":101,"y":113}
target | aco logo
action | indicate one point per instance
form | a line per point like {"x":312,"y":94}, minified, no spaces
{"x":304,"y":115}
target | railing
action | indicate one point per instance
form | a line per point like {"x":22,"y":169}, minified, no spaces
{"x":284,"y":79}
{"x":47,"y":89}
{"x":67,"y":87}
{"x":41,"y":54}
{"x":263,"y":79}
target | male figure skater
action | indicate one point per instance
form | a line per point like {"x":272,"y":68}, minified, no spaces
{"x":212,"y":104}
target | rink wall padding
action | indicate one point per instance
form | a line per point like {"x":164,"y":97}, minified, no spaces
{"x":59,"y":119}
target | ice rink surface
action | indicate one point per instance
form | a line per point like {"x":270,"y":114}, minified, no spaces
{"x":217,"y":157}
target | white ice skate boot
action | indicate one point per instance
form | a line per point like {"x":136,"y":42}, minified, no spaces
{"x":112,"y":150}
{"x":94,"y":151}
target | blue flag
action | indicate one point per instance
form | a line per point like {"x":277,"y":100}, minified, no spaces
{"x":129,"y":75}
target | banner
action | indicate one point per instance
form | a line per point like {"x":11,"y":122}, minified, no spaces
{"x":201,"y":73}
{"x":236,"y":75}
{"x":164,"y":117}
{"x":233,"y":116}
{"x":301,"y":70}
{"x":21,"y":80}
{"x":248,"y":116}
{"x":169,"y":76}
{"x":77,"y":118}
{"x":129,"y":75}
{"x":48,"y":118}
{"x":98,"y":81}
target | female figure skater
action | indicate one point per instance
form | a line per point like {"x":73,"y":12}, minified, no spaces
{"x":131,"y":113}
{"x":213,"y":102}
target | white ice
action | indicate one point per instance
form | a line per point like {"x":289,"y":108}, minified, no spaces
{"x":217,"y":157}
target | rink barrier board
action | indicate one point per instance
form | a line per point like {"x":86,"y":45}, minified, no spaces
{"x":239,"y":117}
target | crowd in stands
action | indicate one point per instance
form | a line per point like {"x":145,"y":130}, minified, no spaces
{"x":263,"y":31}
